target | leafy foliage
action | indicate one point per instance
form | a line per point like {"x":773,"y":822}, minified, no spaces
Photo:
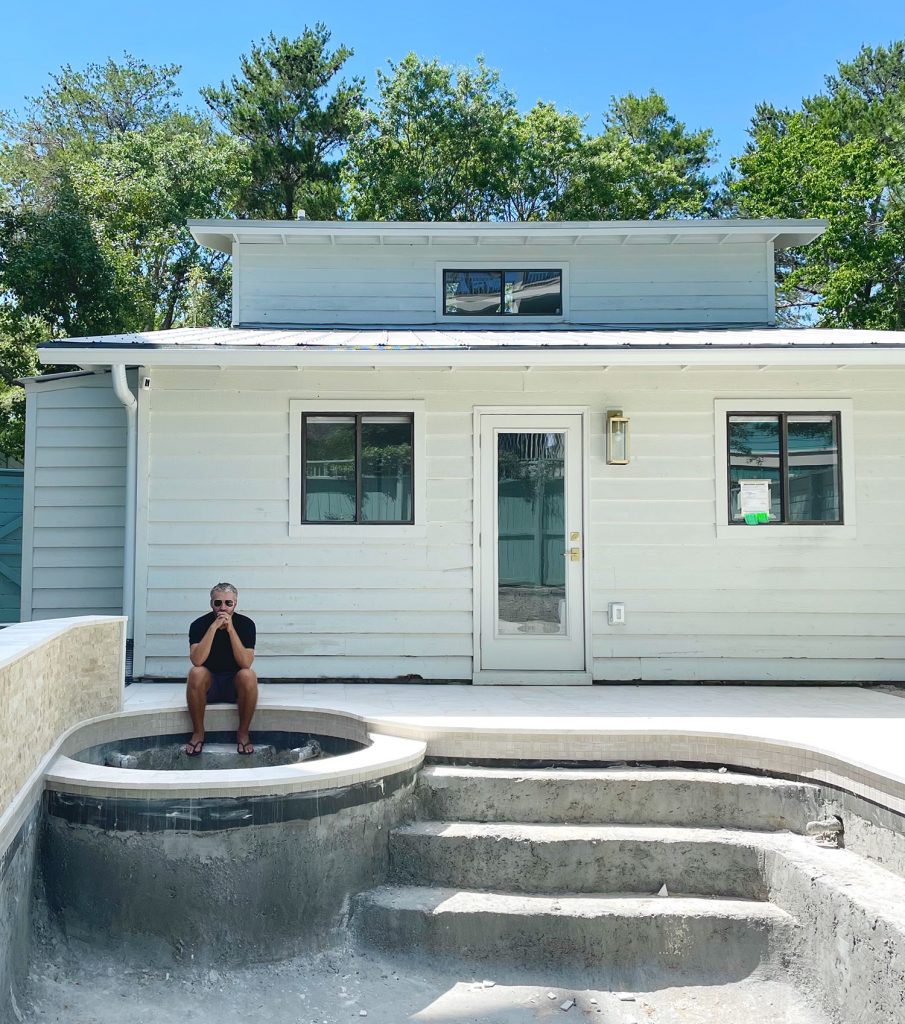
{"x":840,"y":157}
{"x":292,"y":129}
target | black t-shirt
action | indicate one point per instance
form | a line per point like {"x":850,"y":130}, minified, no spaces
{"x":221,"y":657}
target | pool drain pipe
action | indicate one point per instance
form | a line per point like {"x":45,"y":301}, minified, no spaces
{"x":130,"y":404}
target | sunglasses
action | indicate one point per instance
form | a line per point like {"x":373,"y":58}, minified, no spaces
{"x":218,"y":602}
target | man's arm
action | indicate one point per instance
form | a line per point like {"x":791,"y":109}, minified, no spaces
{"x":244,"y":655}
{"x":198,"y":653}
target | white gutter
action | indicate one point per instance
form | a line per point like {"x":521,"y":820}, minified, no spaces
{"x":130,"y":404}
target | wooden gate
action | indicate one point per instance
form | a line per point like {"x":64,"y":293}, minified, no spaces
{"x":10,"y":544}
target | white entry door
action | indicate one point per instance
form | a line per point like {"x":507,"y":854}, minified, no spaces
{"x":531,"y":595}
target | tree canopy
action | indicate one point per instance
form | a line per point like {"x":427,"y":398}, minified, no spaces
{"x":293,"y":128}
{"x":841,"y":156}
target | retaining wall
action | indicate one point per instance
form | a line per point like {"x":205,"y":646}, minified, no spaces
{"x":53,"y":675}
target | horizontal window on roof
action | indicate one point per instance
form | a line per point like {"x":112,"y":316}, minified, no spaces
{"x":502,"y":292}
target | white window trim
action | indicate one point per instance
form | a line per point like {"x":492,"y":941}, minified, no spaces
{"x":784,"y":532}
{"x":507,"y":264}
{"x":298,"y":408}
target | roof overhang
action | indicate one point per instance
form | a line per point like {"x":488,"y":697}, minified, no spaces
{"x":391,"y":349}
{"x":783,"y":234}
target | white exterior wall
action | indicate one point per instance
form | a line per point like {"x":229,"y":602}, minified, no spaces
{"x":72,"y":536}
{"x":632,"y":284}
{"x":214,"y":505}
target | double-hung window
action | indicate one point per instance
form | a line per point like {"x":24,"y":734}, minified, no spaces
{"x":358,"y":468}
{"x":785,"y":465}
{"x":798,"y":459}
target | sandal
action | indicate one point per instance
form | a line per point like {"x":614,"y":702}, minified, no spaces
{"x":245,"y":748}
{"x":193,"y":749}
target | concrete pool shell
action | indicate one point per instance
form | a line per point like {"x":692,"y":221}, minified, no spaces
{"x":448,"y":860}
{"x":226,"y":864}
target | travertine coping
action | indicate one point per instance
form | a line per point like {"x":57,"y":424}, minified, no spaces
{"x":771,"y":756}
{"x":53,"y":674}
{"x":384,"y":755}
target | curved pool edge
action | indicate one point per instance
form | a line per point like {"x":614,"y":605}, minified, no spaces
{"x":384,"y":755}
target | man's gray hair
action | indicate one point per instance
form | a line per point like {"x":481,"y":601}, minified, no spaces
{"x":226,"y":587}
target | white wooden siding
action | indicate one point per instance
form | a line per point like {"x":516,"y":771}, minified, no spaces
{"x":75,"y":498}
{"x":620,"y":285}
{"x":698,"y":606}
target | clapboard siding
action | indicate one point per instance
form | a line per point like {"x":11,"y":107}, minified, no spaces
{"x":76,"y":495}
{"x":698,"y":606}
{"x":606,"y":284}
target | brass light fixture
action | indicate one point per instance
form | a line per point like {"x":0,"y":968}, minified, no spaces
{"x":617,"y":438}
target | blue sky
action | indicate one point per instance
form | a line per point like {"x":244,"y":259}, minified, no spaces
{"x":712,"y":61}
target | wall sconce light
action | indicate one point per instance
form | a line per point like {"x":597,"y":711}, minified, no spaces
{"x":617,"y":428}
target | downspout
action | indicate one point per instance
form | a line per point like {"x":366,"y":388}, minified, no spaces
{"x":130,"y":404}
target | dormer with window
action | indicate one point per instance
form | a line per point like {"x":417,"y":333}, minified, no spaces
{"x":504,"y":276}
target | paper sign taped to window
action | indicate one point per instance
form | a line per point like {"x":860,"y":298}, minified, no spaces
{"x":753,"y":496}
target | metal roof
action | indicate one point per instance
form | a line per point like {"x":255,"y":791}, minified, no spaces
{"x":431,"y":346}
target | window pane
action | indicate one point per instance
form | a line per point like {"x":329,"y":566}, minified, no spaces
{"x":329,"y":469}
{"x":533,"y":292}
{"x":472,"y":292}
{"x":386,"y":469}
{"x":813,"y":457}
{"x":754,"y":455}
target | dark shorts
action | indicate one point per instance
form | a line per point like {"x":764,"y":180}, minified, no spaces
{"x":222,"y":689}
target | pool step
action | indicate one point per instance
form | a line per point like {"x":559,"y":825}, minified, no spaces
{"x":613,"y":931}
{"x":644,"y":796}
{"x":543,"y":858}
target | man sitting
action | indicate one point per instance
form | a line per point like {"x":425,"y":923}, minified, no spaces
{"x":221,"y":649}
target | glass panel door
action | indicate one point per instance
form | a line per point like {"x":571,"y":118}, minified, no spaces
{"x":532,"y":551}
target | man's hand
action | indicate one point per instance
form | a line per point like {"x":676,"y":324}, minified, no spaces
{"x":222,"y":621}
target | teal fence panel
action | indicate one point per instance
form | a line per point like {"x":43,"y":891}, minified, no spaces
{"x":10,"y":544}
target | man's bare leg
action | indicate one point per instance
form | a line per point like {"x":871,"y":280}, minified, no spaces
{"x":196,"y":687}
{"x":247,"y":700}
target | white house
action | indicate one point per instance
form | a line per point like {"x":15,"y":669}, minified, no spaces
{"x":399,"y":453}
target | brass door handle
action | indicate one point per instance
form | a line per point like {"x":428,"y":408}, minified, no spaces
{"x":574,"y":554}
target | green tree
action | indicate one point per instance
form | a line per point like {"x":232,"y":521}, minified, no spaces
{"x":18,"y":358}
{"x":106,"y":168}
{"x":544,"y":156}
{"x":293,"y":128}
{"x":644,"y":164}
{"x":841,"y":156}
{"x":437,"y":146}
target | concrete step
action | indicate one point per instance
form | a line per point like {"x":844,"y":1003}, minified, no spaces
{"x":658,"y":796}
{"x":691,"y":934}
{"x":539,"y":858}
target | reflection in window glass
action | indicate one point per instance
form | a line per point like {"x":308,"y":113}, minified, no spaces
{"x":531,"y":533}
{"x":813,"y":469}
{"x":502,"y":292}
{"x":754,"y":455}
{"x":329,"y":469}
{"x":386,"y":469}
{"x":533,"y":292}
{"x":472,"y":292}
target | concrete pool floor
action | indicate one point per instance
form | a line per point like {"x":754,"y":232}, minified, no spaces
{"x":80,"y":987}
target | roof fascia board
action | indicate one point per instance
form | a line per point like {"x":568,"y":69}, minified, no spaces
{"x":672,"y":355}
{"x":224,"y":234}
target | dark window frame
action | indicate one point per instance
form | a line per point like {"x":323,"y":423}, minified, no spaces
{"x":502,"y":271}
{"x":783,"y":417}
{"x":357,"y":521}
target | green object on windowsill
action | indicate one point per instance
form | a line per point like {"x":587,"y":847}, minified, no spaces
{"x":753,"y":518}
